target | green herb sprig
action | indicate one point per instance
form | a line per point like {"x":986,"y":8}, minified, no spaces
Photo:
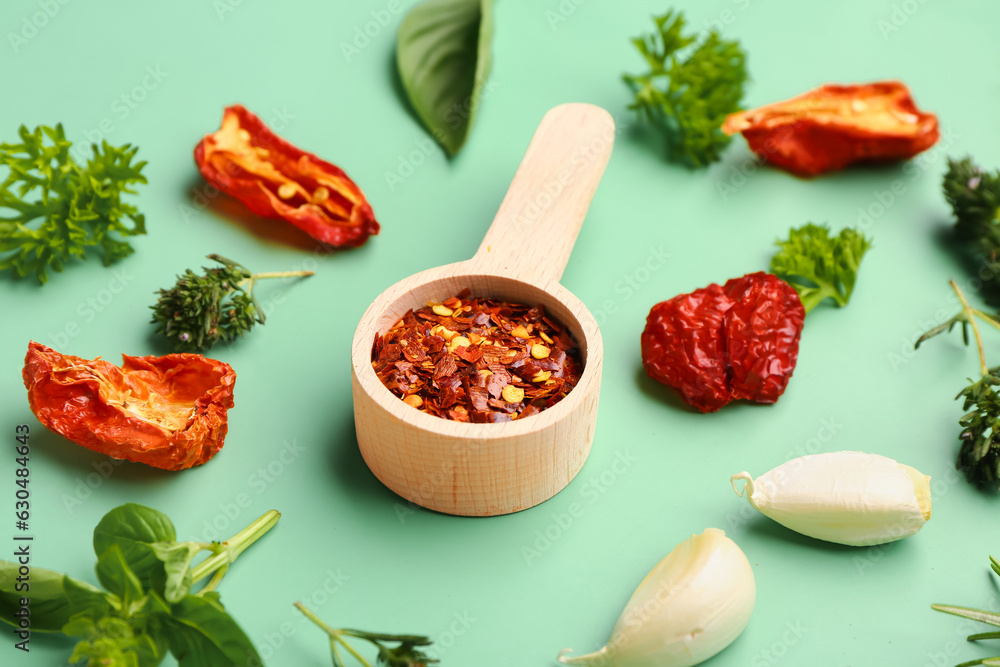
{"x":217,"y":306}
{"x":690,"y":88}
{"x":147,"y":607}
{"x":406,"y":653}
{"x":820,"y":266}
{"x":979,"y":454}
{"x":79,"y":207}
{"x":977,"y":615}
{"x":974,"y":196}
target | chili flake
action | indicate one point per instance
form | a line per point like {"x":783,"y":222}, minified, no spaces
{"x":477,"y":360}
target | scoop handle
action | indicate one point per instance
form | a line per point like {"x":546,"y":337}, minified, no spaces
{"x":533,"y":233}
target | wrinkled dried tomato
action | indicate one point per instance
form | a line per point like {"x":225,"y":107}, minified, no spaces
{"x":168,"y":412}
{"x":275,"y":179}
{"x":477,"y":360}
{"x":720,"y":343}
{"x":833,"y":126}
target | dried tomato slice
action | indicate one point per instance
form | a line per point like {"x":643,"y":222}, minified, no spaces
{"x":761,"y":330}
{"x":168,"y":412}
{"x":275,"y":179}
{"x":717,"y":344}
{"x":833,"y":126}
{"x":683,"y":346}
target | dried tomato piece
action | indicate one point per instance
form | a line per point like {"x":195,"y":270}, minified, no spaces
{"x":683,"y":346}
{"x":717,"y":344}
{"x":275,"y":179}
{"x":761,"y":330}
{"x":167,"y":412}
{"x":833,"y":126}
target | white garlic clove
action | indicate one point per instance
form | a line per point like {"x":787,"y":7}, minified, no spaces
{"x":692,"y":605}
{"x":850,"y":498}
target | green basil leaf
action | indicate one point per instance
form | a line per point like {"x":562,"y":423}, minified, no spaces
{"x":176,"y":560}
{"x":52,"y":605}
{"x":202,"y":634}
{"x":135,"y":528}
{"x":443,"y":56}
{"x":116,"y":576}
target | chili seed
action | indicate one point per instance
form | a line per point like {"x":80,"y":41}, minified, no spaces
{"x":512,"y":394}
{"x":539,"y":351}
{"x":442,"y":310}
{"x":413,"y":401}
{"x":286,"y":191}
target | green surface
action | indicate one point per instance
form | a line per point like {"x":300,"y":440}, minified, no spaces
{"x":658,"y":472}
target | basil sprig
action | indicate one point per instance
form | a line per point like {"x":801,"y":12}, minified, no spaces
{"x":147,"y":607}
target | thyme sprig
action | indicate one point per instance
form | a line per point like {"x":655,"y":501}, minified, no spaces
{"x":217,"y":306}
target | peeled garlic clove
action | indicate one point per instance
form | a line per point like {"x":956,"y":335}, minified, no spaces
{"x":693,"y":604}
{"x":849,"y":498}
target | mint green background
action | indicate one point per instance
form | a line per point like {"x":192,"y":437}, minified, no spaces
{"x":419,"y":571}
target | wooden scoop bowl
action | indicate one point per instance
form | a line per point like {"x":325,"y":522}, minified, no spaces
{"x":490,"y":469}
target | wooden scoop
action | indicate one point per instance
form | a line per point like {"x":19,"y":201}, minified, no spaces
{"x":489,"y":469}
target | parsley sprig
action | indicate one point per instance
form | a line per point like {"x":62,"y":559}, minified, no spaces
{"x":78,"y":207}
{"x":406,"y":653}
{"x":217,"y":306}
{"x":979,"y":454}
{"x":977,"y":615}
{"x":691,"y":86}
{"x":820,"y":266}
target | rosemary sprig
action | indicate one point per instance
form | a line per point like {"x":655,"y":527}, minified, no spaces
{"x":405,"y":654}
{"x":218,"y":306}
{"x":979,"y":455}
{"x":977,"y":615}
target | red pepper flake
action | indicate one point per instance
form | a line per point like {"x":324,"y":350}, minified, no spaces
{"x":275,"y":179}
{"x":833,"y":126}
{"x":475,"y":365}
{"x":168,"y":412}
{"x":720,"y":343}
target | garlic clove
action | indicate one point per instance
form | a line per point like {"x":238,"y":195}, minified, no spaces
{"x":850,"y":498}
{"x":693,"y":604}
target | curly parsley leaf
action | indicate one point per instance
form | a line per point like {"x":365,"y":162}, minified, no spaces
{"x":691,"y":86}
{"x":820,"y":266}
{"x":60,"y":208}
